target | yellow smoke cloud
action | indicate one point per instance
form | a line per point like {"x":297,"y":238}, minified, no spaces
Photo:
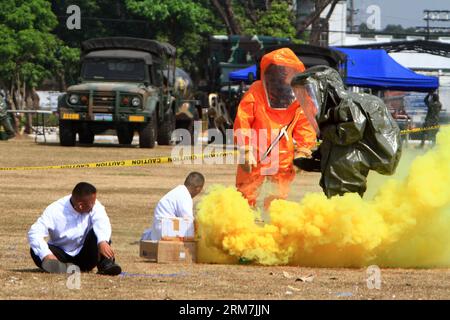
{"x":406,"y":224}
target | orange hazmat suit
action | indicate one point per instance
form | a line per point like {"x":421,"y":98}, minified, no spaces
{"x":267,"y":112}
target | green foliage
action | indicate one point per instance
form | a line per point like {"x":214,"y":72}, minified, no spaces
{"x":35,"y":43}
{"x":100,"y":18}
{"x":68,"y":63}
{"x":187,"y":24}
{"x":364,"y":30}
{"x":27,"y":47}
{"x":184,"y":23}
{"x":278,"y":21}
{"x":27,"y":14}
{"x":398,"y":31}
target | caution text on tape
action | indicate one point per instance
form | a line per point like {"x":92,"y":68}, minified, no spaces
{"x":162,"y":160}
{"x":127,"y":163}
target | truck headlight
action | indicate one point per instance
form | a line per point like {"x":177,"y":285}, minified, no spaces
{"x":135,"y":102}
{"x":74,"y":98}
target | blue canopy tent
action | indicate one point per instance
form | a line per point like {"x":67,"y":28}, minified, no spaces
{"x":242,"y":74}
{"x":370,"y":69}
{"x":376,"y":69}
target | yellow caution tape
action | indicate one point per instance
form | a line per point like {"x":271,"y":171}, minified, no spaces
{"x":422,"y":129}
{"x":127,"y":163}
{"x":162,"y":160}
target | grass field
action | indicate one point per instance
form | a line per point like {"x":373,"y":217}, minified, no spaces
{"x":130,"y":195}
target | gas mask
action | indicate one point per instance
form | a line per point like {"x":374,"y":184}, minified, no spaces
{"x":307,"y":93}
{"x":276,"y":81}
{"x":316,"y":89}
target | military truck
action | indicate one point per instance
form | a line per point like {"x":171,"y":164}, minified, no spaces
{"x":124,"y":86}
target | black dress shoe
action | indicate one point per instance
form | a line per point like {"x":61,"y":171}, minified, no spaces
{"x":108,"y":267}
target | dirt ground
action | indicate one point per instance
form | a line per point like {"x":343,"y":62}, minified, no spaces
{"x":130,"y":195}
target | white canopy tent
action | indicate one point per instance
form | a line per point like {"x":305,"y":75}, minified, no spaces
{"x":429,"y":64}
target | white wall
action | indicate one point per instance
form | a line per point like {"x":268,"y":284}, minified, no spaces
{"x":337,"y":23}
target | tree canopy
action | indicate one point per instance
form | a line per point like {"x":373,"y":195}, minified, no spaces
{"x":36,"y":43}
{"x":26,"y":47}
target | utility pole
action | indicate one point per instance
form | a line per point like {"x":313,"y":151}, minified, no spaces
{"x":351,"y":13}
{"x":435,"y":15}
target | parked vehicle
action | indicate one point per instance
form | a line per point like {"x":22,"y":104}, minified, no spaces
{"x":124,"y":86}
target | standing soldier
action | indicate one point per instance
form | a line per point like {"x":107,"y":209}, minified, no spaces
{"x":432,"y":117}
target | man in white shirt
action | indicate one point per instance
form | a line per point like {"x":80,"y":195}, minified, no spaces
{"x":79,"y":233}
{"x":177,"y":203}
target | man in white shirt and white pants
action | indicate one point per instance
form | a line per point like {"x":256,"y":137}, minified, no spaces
{"x":177,"y":203}
{"x":79,"y":233}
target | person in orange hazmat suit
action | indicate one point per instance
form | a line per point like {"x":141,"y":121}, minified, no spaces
{"x":270,"y":127}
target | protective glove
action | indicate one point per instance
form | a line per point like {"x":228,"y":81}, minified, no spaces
{"x":248,"y":159}
{"x":302,"y":152}
{"x":311,"y":164}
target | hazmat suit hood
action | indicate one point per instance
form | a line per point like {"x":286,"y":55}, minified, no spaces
{"x":277,"y":70}
{"x":317,"y":89}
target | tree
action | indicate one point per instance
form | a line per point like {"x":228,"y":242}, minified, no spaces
{"x":226,"y":12}
{"x":398,"y":31}
{"x":36,"y":44}
{"x":187,"y":24}
{"x":313,"y":19}
{"x":183,"y":23}
{"x":67,"y":66}
{"x":100,"y":18}
{"x":30,"y":52}
{"x":27,"y":47}
{"x":247,"y":17}
{"x":276,"y":19}
{"x":364,"y":30}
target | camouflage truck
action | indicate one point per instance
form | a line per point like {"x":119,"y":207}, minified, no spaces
{"x":124,"y":86}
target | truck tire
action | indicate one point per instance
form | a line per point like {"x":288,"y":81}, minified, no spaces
{"x":85,"y":135}
{"x":67,"y":133}
{"x":125,"y":134}
{"x":166,"y":129}
{"x":148,"y":132}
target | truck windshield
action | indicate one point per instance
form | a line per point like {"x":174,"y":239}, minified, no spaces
{"x":113,"y":69}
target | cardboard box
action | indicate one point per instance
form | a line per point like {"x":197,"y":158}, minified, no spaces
{"x":177,"y":229}
{"x":168,"y":251}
